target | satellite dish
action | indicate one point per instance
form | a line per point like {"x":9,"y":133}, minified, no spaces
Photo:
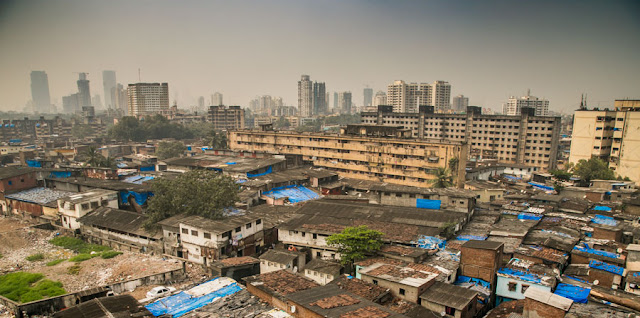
{"x":293,"y":309}
{"x":596,"y":282}
{"x":443,"y":314}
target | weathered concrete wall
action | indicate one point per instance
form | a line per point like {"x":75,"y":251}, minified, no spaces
{"x":155,"y":279}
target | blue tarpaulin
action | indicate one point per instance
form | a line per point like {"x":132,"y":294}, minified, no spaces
{"x":60,"y":174}
{"x":137,"y":179}
{"x":15,"y":141}
{"x":230,"y":163}
{"x":182,"y":303}
{"x":34,"y":163}
{"x":512,"y":177}
{"x":602,"y":208}
{"x":606,"y":267}
{"x":140,"y":198}
{"x":189,"y":148}
{"x":430,"y":243}
{"x":471,"y":237}
{"x":522,"y":275}
{"x":541,"y":186}
{"x":604,"y":220}
{"x":428,"y":204}
{"x":575,"y":293}
{"x":295,"y":193}
{"x":148,"y":168}
{"x":529,"y":216}
{"x":251,"y":175}
{"x":590,"y":250}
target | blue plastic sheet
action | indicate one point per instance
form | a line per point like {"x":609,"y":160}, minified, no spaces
{"x":606,"y":267}
{"x":148,"y":168}
{"x":466,"y":279}
{"x":15,"y":141}
{"x":251,"y":175}
{"x":522,"y":275}
{"x":428,"y":204}
{"x":590,"y":250}
{"x":141,"y":198}
{"x":430,"y":243}
{"x":182,"y":303}
{"x":34,"y":163}
{"x":60,"y":174}
{"x":295,"y":193}
{"x":137,"y":179}
{"x":604,"y":220}
{"x":471,"y":237}
{"x":230,"y":163}
{"x":602,"y":208}
{"x":512,"y":177}
{"x":575,"y":293}
{"x":529,"y":216}
{"x":541,"y":186}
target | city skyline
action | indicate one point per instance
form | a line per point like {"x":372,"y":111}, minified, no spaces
{"x":485,"y":49}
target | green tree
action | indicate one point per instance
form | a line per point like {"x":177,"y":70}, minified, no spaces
{"x":197,"y":192}
{"x":80,"y":131}
{"x":453,"y":164}
{"x":443,"y":178}
{"x":356,"y":243}
{"x":218,"y":140}
{"x":93,"y":157}
{"x":170,"y":149}
{"x":593,"y":169}
{"x":561,"y":175}
{"x":128,"y":129}
{"x":282,"y":123}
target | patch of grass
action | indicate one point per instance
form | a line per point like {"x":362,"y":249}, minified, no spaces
{"x":25,"y":287}
{"x":55,"y":262}
{"x":110,"y":254}
{"x":83,"y":257}
{"x":35,"y":257}
{"x":74,"y":270}
{"x":78,"y":245}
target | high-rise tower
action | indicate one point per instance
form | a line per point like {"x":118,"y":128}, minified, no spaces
{"x":305,"y":96}
{"x":109,"y":85}
{"x":40,"y":91}
{"x":83,"y":90}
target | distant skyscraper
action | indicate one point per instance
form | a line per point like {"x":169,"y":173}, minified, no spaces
{"x":40,"y":91}
{"x":83,"y":90}
{"x":109,"y":85}
{"x":71,"y":103}
{"x":460,"y":103}
{"x":513,"y":106}
{"x":344,"y":102}
{"x":96,"y":101}
{"x":368,"y":97}
{"x":217,"y":99}
{"x":201,"y":103}
{"x":122,"y":99}
{"x":148,"y":98}
{"x":380,"y":99}
{"x":335,"y":102}
{"x":305,"y":96}
{"x":319,"y":99}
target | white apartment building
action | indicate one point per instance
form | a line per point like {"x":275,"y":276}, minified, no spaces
{"x":75,"y":206}
{"x":148,"y":98}
{"x":380,"y":99}
{"x":407,"y":97}
{"x":524,"y":139}
{"x":513,"y":106}
{"x":611,"y":135}
{"x":460,"y":103}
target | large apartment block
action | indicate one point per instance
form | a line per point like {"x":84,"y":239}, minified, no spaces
{"x":148,"y":98}
{"x":386,"y":154}
{"x":408,"y":97}
{"x":524,"y":139}
{"x":226,"y":118}
{"x":611,"y":135}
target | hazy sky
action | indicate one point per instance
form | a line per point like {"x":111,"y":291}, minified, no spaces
{"x":487,"y":50}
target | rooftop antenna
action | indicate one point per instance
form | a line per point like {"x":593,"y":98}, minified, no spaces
{"x":582,"y":102}
{"x":139,"y":80}
{"x":528,"y":91}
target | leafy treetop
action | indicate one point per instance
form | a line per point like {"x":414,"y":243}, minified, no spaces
{"x":197,"y":192}
{"x":355,"y":243}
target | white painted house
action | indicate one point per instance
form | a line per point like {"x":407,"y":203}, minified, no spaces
{"x":75,"y":206}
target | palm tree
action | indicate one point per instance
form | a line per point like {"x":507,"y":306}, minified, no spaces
{"x":443,"y":178}
{"x":94,"y":158}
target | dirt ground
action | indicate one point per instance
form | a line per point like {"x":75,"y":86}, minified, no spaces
{"x":20,"y":242}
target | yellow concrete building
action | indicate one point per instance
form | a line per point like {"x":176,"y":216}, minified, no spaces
{"x":612,"y":135}
{"x":386,"y":154}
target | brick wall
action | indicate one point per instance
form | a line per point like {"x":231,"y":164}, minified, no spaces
{"x":605,"y":234}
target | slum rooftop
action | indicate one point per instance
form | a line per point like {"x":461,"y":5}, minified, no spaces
{"x":88,"y":195}
{"x":225,"y":163}
{"x":41,"y":196}
{"x":119,"y":220}
{"x":14,"y":171}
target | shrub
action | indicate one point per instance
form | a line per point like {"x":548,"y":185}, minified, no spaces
{"x":110,"y":254}
{"x":83,"y":257}
{"x":74,"y":270}
{"x":25,"y":287}
{"x":55,"y":262}
{"x":35,"y":257}
{"x":77,"y":245}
